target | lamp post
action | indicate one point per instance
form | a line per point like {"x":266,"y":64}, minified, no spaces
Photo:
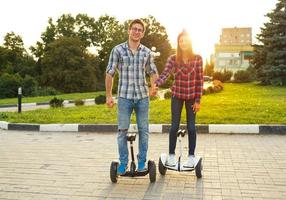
{"x":19,"y":100}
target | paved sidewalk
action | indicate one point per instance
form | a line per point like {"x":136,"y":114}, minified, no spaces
{"x":41,"y":165}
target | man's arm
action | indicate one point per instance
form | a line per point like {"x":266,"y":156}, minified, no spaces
{"x":199,"y":82}
{"x":108,"y":89}
{"x":154,"y":87}
{"x":110,"y":71}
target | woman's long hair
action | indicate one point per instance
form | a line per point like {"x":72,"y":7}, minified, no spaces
{"x":179,"y":52}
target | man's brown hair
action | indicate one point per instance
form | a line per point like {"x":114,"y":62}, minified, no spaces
{"x":137,"y":21}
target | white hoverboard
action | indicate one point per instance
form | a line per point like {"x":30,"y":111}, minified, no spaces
{"x":179,"y":166}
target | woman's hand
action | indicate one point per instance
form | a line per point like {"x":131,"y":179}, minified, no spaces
{"x":153,"y":90}
{"x":196,"y":107}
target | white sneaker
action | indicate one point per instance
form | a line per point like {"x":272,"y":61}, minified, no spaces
{"x":171,"y":160}
{"x":191,"y":162}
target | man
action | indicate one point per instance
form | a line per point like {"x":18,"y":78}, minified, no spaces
{"x":132,"y":60}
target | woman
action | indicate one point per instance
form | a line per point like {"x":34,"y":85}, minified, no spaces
{"x":187,"y":88}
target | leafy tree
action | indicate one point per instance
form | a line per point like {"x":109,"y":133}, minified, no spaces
{"x":14,"y":42}
{"x":270,"y":57}
{"x":110,"y":34}
{"x":4,"y":63}
{"x":102,"y":35}
{"x":81,"y":27}
{"x":156,"y":36}
{"x":14,"y":57}
{"x":66,"y":66}
{"x":29,"y":86}
{"x":209,"y":68}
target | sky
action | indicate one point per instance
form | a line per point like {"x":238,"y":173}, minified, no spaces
{"x":203,"y":19}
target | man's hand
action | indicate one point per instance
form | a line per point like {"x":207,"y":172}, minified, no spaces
{"x":196,"y":107}
{"x":153,"y":90}
{"x":109,"y":101}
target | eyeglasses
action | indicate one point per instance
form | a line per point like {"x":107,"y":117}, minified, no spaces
{"x":137,"y":29}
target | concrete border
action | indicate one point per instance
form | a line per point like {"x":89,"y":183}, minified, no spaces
{"x":234,"y":128}
{"x":23,"y":127}
{"x":153,"y":128}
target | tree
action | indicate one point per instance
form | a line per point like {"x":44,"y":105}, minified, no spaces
{"x":67,"y":66}
{"x":270,"y":57}
{"x":4,"y":63}
{"x":14,"y":57}
{"x":9,"y":84}
{"x":14,"y":42}
{"x":81,"y":27}
{"x":209,"y":68}
{"x":156,"y":36}
{"x":110,"y":33}
{"x":102,"y":35}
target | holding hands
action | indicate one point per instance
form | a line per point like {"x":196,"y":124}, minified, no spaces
{"x":153,"y":91}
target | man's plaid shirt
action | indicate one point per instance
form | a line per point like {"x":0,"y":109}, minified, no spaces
{"x":188,"y":78}
{"x":132,"y":70}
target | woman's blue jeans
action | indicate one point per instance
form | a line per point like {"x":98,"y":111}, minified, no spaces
{"x":125,"y":109}
{"x":176,"y":107}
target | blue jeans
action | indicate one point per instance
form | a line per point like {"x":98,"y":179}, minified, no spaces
{"x":125,"y":109}
{"x":177,"y":106}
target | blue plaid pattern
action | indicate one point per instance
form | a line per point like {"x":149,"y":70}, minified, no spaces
{"x":132,"y":70}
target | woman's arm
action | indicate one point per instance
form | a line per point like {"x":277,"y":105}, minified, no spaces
{"x":199,"y":82}
{"x":166,"y":72}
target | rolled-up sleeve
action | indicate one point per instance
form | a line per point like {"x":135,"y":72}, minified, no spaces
{"x":113,"y":62}
{"x":150,"y":65}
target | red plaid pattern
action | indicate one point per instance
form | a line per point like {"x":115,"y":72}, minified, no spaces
{"x":188,"y":78}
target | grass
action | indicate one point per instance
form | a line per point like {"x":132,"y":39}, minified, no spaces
{"x":41,"y":99}
{"x":246,"y":103}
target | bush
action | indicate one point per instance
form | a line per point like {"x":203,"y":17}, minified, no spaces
{"x":227,"y":75}
{"x":9,"y":85}
{"x":3,"y":116}
{"x":222,"y":76}
{"x":278,"y":81}
{"x":55,"y":102}
{"x":168,"y":95}
{"x":217,"y":86}
{"x":218,"y":83}
{"x":218,"y":76}
{"x":217,"y":89}
{"x":152,"y":98}
{"x":79,"y":102}
{"x":242,"y":76}
{"x":101,"y":99}
{"x":210,"y":90}
{"x":29,"y":85}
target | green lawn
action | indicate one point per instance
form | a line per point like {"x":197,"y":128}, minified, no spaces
{"x":237,"y":103}
{"x":72,"y":96}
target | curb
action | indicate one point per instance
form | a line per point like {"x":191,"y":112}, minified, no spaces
{"x":153,"y":128}
{"x":42,"y":103}
{"x":24,"y":105}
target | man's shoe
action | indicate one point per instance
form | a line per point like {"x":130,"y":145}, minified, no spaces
{"x":171,"y":160}
{"x":191,"y":162}
{"x":121,"y":169}
{"x":141,"y":167}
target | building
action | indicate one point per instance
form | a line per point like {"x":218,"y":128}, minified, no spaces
{"x":234,"y":50}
